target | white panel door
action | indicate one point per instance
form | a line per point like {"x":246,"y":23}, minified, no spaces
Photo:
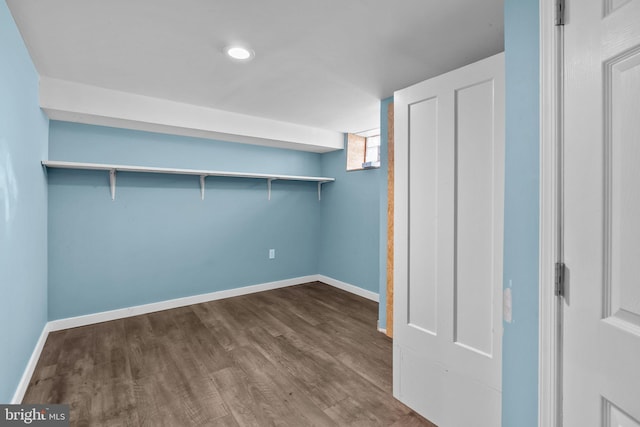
{"x":449,"y":142}
{"x":601,"y":354}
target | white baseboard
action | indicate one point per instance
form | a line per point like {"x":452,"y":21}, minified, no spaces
{"x":89,"y":319}
{"x":373,"y":296}
{"x":105,"y":316}
{"x":31,"y":367}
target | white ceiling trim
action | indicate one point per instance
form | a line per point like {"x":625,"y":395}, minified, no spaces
{"x":81,"y":103}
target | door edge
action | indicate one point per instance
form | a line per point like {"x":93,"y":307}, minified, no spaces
{"x":550,"y":339}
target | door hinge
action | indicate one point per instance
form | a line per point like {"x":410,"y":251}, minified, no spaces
{"x":559,"y":12}
{"x":560,"y":276}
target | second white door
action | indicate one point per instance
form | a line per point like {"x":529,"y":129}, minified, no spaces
{"x":449,"y":186}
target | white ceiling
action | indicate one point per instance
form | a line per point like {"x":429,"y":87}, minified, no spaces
{"x":319,"y":63}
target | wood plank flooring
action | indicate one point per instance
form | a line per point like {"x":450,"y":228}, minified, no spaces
{"x":306,"y":355}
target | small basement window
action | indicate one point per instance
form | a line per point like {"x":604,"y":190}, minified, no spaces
{"x":363,"y":150}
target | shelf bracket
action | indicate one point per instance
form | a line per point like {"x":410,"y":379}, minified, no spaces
{"x":269,"y":187}
{"x":112,"y":183}
{"x":320,"y":190}
{"x":202,"y":177}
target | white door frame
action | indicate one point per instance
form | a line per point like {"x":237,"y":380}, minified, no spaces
{"x":550,"y":314}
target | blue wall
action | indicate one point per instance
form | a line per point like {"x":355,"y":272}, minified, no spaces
{"x":520,"y":341}
{"x":158,"y":240}
{"x":23,"y":208}
{"x":350,"y":238}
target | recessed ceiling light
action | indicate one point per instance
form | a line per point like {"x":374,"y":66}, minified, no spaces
{"x":239,"y":53}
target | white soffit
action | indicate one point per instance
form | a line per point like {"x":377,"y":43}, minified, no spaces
{"x":80,"y":103}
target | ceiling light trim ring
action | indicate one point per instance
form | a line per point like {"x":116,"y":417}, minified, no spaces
{"x":239,"y":53}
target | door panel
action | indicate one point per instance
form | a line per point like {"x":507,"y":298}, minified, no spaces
{"x":623,"y":181}
{"x":611,"y":6}
{"x":422,"y":311}
{"x":614,"y":417}
{"x":449,"y":160}
{"x":601,"y":312}
{"x":474,"y":228}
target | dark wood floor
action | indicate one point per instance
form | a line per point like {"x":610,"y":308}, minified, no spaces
{"x":298,"y":356}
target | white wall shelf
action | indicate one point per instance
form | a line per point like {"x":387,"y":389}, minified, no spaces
{"x":113,"y":169}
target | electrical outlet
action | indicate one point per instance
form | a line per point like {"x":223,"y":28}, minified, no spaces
{"x":272,"y":253}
